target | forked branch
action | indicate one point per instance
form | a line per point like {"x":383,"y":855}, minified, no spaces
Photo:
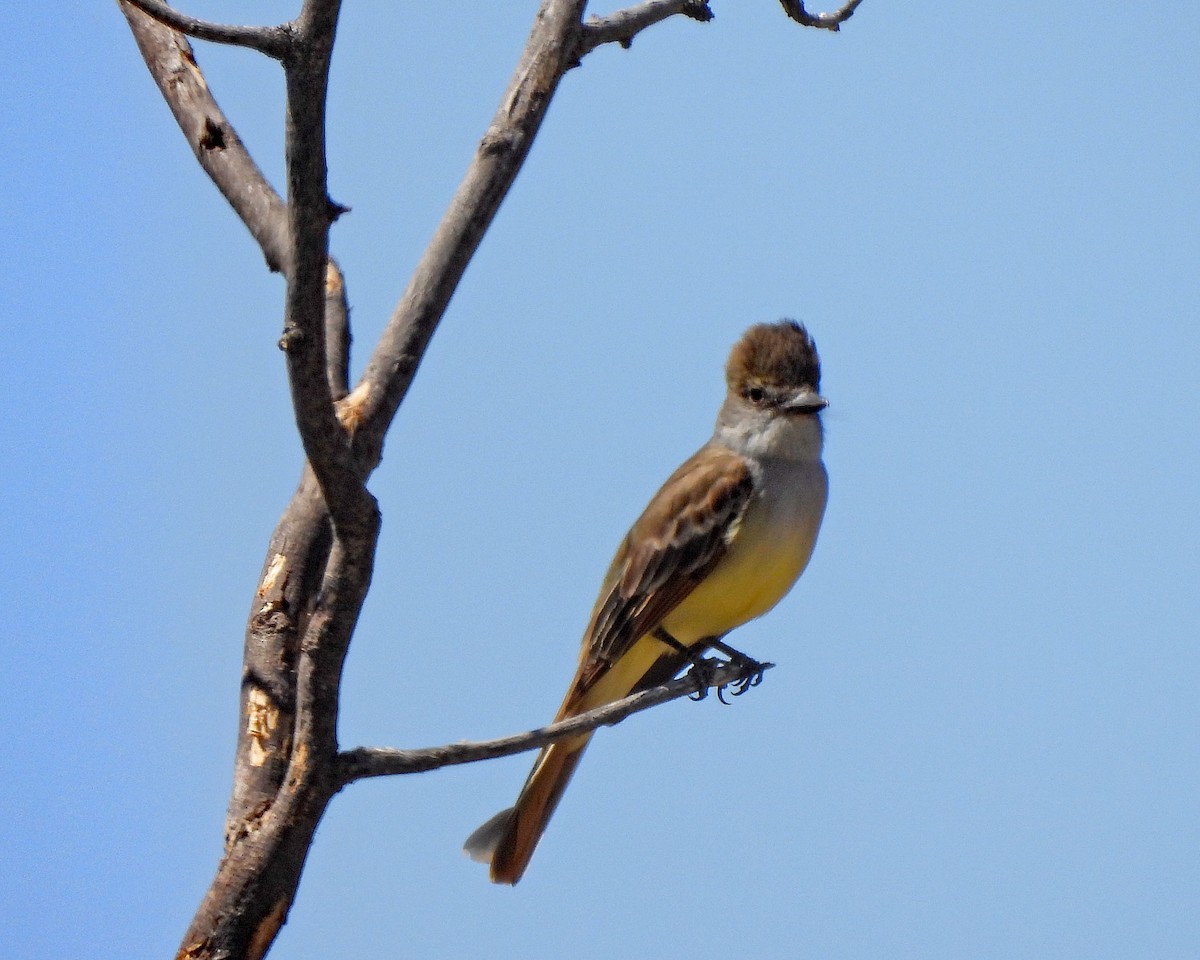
{"x":275,"y":42}
{"x":213,"y":139}
{"x":310,"y":213}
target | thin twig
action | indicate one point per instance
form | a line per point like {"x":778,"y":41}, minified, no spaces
{"x":275,"y":42}
{"x":363,"y":762}
{"x":623,"y":25}
{"x":822,"y":21}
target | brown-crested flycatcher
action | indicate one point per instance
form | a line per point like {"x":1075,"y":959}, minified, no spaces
{"x":721,"y":543}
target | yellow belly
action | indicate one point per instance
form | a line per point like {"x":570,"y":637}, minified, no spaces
{"x":769,"y":551}
{"x":761,"y":566}
{"x":753,"y":576}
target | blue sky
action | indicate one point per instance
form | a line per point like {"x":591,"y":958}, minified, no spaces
{"x":983,"y":737}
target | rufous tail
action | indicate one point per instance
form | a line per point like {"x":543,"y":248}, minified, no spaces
{"x":508,"y":839}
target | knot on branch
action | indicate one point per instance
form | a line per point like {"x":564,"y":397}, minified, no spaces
{"x":213,"y":136}
{"x":333,"y":209}
{"x":497,"y":142}
{"x":292,"y":337}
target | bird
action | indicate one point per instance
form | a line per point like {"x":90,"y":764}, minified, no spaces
{"x":721,"y":543}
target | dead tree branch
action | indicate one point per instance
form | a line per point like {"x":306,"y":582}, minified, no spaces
{"x":319,"y":563}
{"x":549,"y":53}
{"x":310,"y":213}
{"x":623,"y":25}
{"x":275,"y":42}
{"x":822,"y":21}
{"x":211,"y":136}
{"x":363,"y":762}
{"x":291,"y":576}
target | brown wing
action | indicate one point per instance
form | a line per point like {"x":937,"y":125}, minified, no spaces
{"x":677,"y":540}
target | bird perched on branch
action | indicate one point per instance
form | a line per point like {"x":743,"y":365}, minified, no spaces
{"x":721,"y":543}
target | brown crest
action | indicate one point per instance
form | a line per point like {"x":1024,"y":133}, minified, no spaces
{"x":779,"y":354}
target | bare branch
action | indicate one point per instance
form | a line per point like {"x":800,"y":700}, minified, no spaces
{"x":550,"y":51}
{"x":310,"y":213}
{"x":275,"y":42}
{"x":281,"y":229}
{"x":291,"y":575}
{"x":365,"y":762}
{"x":211,"y":136}
{"x":621,"y":27}
{"x":256,"y":880}
{"x":822,"y":21}
{"x":323,"y":652}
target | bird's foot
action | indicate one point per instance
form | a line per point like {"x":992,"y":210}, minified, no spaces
{"x":750,"y":671}
{"x":751,"y":676}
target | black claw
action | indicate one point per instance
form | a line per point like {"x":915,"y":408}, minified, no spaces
{"x":752,"y":674}
{"x":703,"y":671}
{"x":750,"y":671}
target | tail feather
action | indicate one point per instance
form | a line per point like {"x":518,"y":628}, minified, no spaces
{"x":509,"y":838}
{"x":481,"y":845}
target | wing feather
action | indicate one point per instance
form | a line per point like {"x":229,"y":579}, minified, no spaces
{"x":680,"y":536}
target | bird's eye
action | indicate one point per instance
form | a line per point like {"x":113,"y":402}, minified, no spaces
{"x":755,"y":394}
